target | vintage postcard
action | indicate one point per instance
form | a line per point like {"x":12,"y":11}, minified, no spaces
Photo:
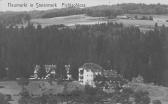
{"x":83,"y":51}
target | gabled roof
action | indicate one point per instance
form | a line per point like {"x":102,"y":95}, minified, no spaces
{"x":92,"y":66}
{"x":110,"y":73}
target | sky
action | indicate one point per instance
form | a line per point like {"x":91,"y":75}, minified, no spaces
{"x":5,"y":7}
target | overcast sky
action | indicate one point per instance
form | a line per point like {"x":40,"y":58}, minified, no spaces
{"x":4,"y":3}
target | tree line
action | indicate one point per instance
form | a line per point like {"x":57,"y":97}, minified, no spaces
{"x":125,"y":49}
{"x":13,"y":18}
{"x":110,"y":11}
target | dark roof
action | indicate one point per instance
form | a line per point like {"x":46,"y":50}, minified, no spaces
{"x":92,"y":66}
{"x":110,"y":73}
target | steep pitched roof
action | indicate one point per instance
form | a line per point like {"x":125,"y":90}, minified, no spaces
{"x":110,"y":73}
{"x":92,"y":66}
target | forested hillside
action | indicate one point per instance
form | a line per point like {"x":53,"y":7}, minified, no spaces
{"x":13,"y":18}
{"x":111,"y":11}
{"x":126,"y":49}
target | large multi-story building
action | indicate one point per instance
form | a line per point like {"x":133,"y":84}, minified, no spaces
{"x":87,"y":73}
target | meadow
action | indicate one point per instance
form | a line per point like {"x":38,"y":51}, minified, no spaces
{"x":82,"y":19}
{"x":69,"y":20}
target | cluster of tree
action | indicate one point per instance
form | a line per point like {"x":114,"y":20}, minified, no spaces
{"x":2,"y":99}
{"x":143,"y":17}
{"x":129,"y":51}
{"x":63,"y":12}
{"x":74,"y":93}
{"x":90,"y":95}
{"x":13,"y":18}
{"x":144,"y":8}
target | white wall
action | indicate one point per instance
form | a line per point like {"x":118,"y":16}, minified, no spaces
{"x":88,"y":77}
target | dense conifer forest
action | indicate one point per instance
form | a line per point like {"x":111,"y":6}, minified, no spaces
{"x":126,"y":49}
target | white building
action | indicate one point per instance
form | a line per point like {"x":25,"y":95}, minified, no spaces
{"x":50,"y":70}
{"x":122,"y":17}
{"x":160,"y":19}
{"x":67,"y":68}
{"x":36,"y":69}
{"x":87,"y":73}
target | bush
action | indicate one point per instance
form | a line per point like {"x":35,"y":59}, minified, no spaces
{"x":122,"y":97}
{"x":23,"y":82}
{"x":138,"y":79}
{"x":25,"y":97}
{"x":24,"y":93}
{"x":2,"y":99}
{"x":142,"y":97}
{"x":156,"y":102}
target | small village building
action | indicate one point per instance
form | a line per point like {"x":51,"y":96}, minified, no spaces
{"x":88,"y":72}
{"x":110,"y":73}
{"x":68,"y":74}
{"x":160,"y":19}
{"x":36,"y":69}
{"x":122,"y":17}
{"x":50,"y":71}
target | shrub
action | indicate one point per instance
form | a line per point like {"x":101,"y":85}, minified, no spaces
{"x":23,"y":82}
{"x":138,"y":79}
{"x":2,"y":99}
{"x":156,"y":102}
{"x":122,"y":97}
{"x":142,"y":97}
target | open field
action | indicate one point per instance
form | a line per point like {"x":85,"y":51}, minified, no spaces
{"x":83,"y":19}
{"x":141,"y":23}
{"x":69,"y":20}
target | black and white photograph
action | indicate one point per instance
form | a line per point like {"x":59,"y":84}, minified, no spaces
{"x":83,"y":51}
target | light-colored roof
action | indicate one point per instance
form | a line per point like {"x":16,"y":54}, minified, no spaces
{"x":92,"y":66}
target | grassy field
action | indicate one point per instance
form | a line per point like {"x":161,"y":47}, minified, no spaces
{"x":144,"y":25}
{"x":69,"y":20}
{"x":141,"y":23}
{"x":35,"y":88}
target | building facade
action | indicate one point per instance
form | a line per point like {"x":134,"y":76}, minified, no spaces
{"x":68,"y":73}
{"x":49,"y":72}
{"x":88,"y":72}
{"x":160,"y":19}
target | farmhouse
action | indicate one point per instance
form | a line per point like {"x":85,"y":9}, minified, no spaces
{"x":160,"y":19}
{"x":122,"y":17}
{"x":36,"y":69}
{"x":87,"y":73}
{"x":50,"y":70}
{"x":110,"y":73}
{"x":67,"y":68}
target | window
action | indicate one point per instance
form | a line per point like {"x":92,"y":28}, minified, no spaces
{"x":81,"y":77}
{"x":81,"y":71}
